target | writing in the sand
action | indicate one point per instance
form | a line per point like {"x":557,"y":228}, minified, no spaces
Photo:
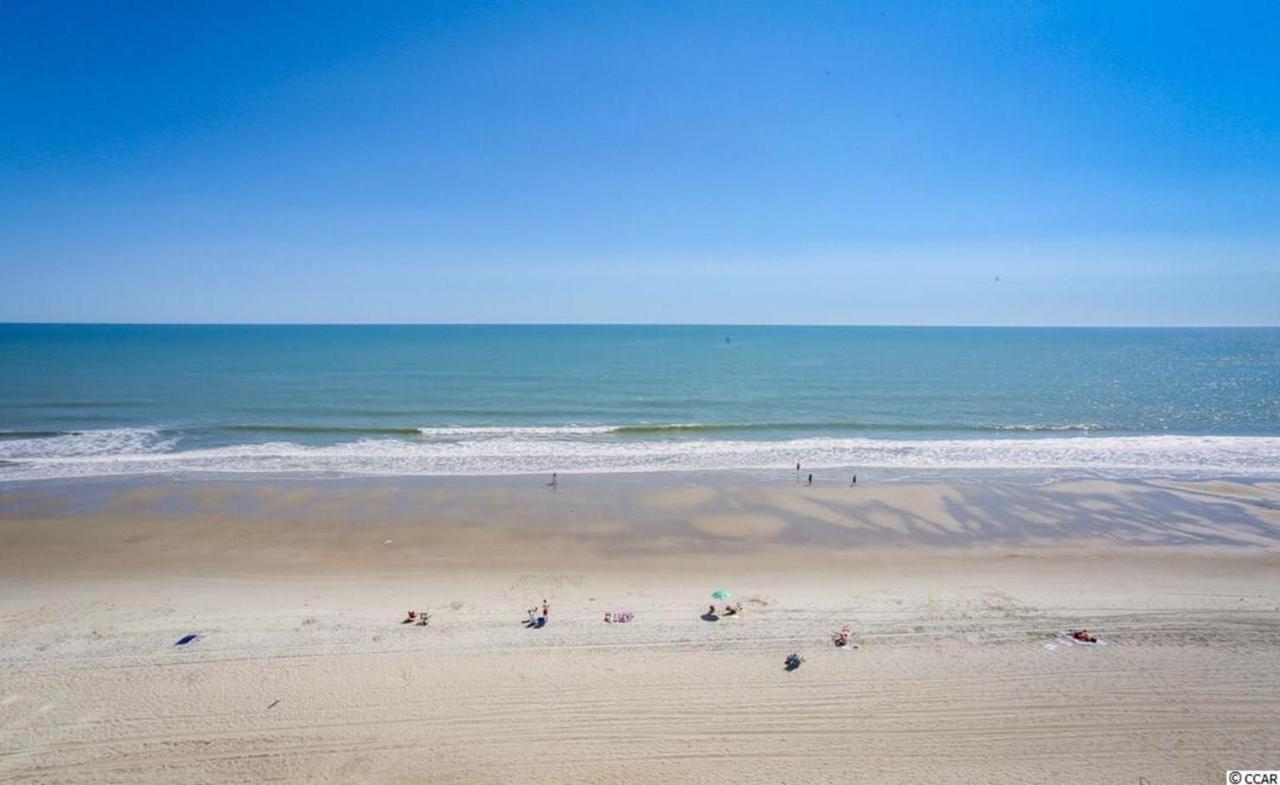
{"x":546,"y":584}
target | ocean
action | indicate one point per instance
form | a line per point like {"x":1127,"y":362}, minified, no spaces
{"x":885,"y":402}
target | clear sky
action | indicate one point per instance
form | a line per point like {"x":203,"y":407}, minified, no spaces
{"x":735,"y":162}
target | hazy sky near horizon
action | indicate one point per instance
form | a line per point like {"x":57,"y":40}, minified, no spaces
{"x":722,"y":162}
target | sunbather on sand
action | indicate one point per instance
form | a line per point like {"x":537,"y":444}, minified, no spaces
{"x":842,"y":638}
{"x":424,"y":618}
{"x":793,"y":661}
{"x":1084,"y":636}
{"x":411,"y":618}
{"x":733,"y":610}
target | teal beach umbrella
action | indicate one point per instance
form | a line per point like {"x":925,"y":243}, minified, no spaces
{"x":720,"y":594}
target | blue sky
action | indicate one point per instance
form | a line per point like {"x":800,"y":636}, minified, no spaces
{"x":740,"y":162}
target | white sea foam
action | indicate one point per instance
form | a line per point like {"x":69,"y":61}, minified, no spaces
{"x":107,"y":442}
{"x":1037,"y":427}
{"x":511,"y":452}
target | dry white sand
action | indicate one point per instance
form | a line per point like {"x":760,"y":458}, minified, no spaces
{"x":304,"y":675}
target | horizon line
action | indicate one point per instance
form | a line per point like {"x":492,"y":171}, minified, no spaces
{"x":57,"y":323}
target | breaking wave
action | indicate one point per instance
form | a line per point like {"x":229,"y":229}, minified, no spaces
{"x":606,"y":449}
{"x":69,"y":445}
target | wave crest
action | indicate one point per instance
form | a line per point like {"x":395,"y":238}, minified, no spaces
{"x":106,"y":442}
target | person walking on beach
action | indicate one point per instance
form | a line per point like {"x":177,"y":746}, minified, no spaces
{"x":555,"y":482}
{"x":854,"y":481}
{"x":546,"y":608}
{"x":811,"y":479}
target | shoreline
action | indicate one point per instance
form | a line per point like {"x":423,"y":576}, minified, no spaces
{"x":522,"y":452}
{"x":826,"y":475}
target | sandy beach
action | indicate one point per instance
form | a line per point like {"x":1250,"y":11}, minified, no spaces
{"x":959,"y":596}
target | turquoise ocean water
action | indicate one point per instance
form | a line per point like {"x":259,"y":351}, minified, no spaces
{"x":99,"y":400}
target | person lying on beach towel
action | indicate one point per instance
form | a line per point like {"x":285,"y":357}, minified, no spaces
{"x":793,"y":661}
{"x":733,"y":610}
{"x":618,"y":617}
{"x":1084,"y":637}
{"x":841,"y":638}
{"x":411,"y":618}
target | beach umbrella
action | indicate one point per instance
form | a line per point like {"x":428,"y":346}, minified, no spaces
{"x":720,"y":594}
